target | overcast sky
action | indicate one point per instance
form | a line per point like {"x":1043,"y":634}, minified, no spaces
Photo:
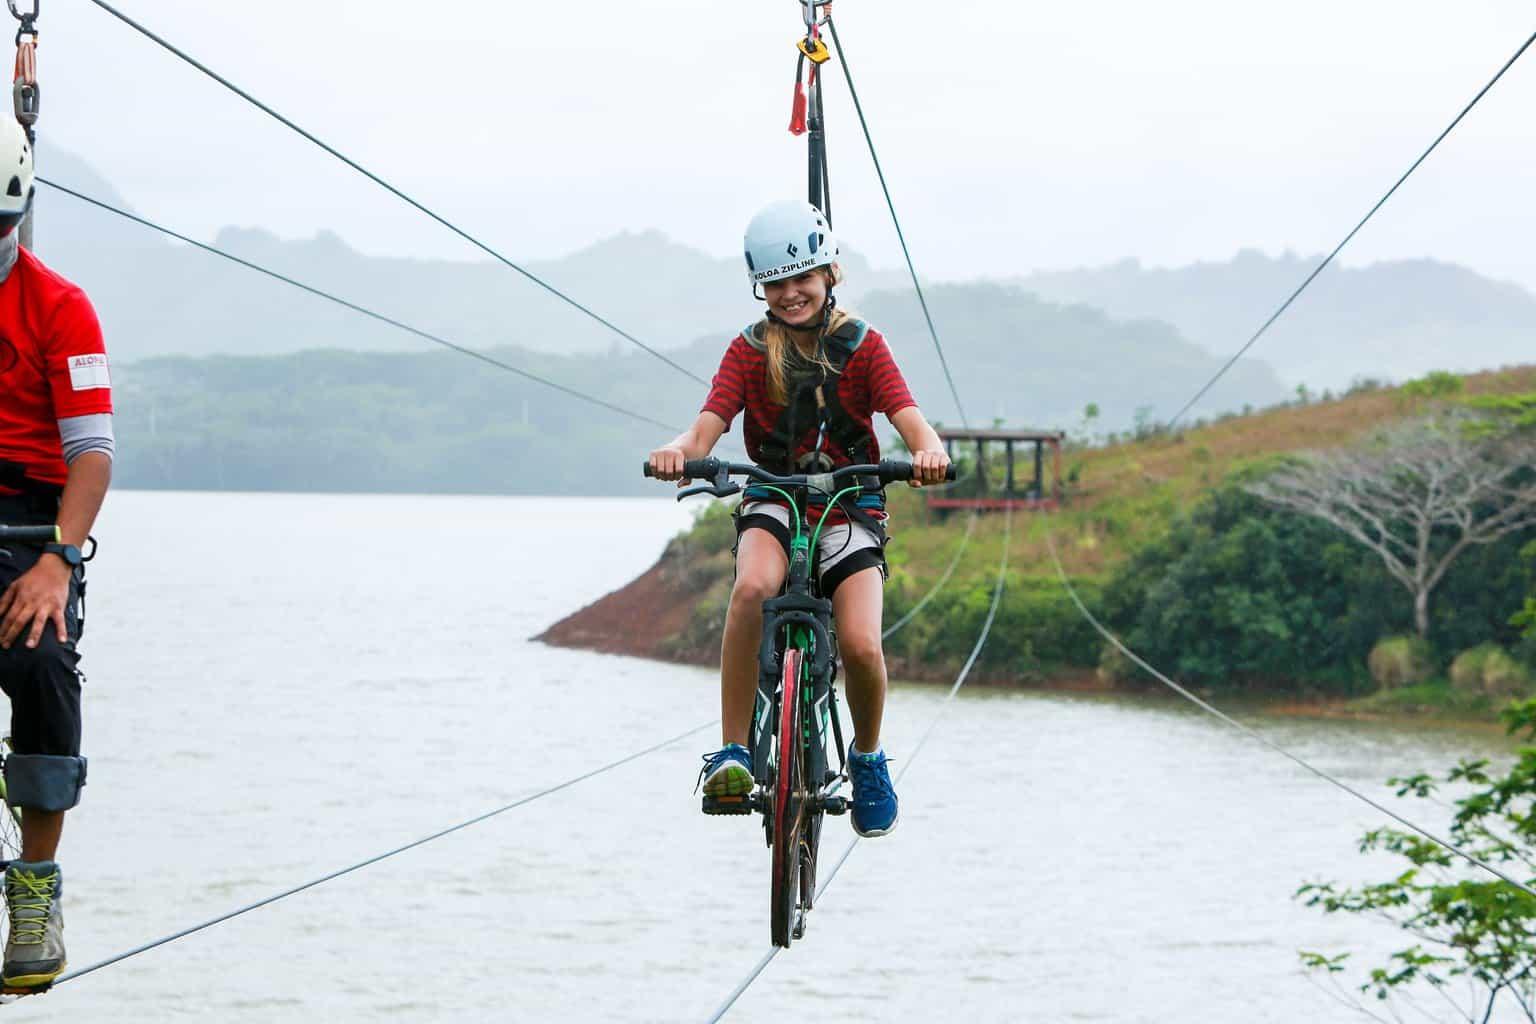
{"x":1015,"y":136}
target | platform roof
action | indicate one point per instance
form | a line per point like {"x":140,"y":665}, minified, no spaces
{"x":998,"y":434}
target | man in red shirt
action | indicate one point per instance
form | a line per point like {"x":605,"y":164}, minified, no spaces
{"x":56,"y":447}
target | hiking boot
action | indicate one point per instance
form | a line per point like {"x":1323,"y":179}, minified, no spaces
{"x":727,"y":772}
{"x":34,"y":947}
{"x":874,"y":799}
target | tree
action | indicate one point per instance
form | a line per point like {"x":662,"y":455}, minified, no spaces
{"x":1466,"y":926}
{"x":1418,"y":494}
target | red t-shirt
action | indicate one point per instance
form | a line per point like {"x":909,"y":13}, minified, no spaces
{"x":53,"y":365}
{"x":870,"y":383}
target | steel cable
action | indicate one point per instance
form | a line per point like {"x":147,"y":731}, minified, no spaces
{"x":896,"y":221}
{"x":965,"y":670}
{"x":1347,"y":238}
{"x":356,"y":308}
{"x":1183,"y":692}
{"x":1255,"y":734}
{"x":943,"y":579}
{"x":183,"y":933}
{"x":294,"y":890}
{"x":393,"y":190}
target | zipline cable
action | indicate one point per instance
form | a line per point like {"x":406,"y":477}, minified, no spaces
{"x":896,"y":221}
{"x":1255,"y":734}
{"x":356,"y":308}
{"x":1347,"y":238}
{"x":1183,"y":692}
{"x":965,"y":670}
{"x":398,"y":193}
{"x":183,"y":933}
{"x":948,"y":572}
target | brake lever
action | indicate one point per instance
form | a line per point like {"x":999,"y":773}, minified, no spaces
{"x":718,"y":491}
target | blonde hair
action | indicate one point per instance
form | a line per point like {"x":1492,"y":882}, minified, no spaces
{"x":779,"y":341}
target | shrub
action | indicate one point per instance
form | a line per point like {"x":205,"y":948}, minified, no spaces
{"x":1467,"y":670}
{"x":1503,"y":676}
{"x":1399,"y":661}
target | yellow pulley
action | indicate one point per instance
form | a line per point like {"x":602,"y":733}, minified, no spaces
{"x":816,"y":50}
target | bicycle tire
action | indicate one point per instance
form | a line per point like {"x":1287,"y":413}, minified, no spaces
{"x":10,"y":817}
{"x":787,"y":804}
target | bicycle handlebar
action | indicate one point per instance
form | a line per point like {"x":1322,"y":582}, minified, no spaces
{"x":887,"y":471}
{"x":37,"y":534}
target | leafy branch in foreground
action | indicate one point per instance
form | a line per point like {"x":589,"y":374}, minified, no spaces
{"x":1464,"y":927}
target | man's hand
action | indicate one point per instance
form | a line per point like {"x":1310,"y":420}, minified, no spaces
{"x":929,"y":467}
{"x":36,"y":598}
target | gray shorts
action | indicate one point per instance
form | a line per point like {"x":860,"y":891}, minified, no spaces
{"x":844,"y":548}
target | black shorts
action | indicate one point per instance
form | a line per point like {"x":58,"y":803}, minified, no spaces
{"x":845,"y":548}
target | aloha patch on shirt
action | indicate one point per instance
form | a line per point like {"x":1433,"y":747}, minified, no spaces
{"x":53,"y":365}
{"x":89,"y":371}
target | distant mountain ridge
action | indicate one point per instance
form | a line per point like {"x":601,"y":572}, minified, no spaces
{"x":1396,"y":319}
{"x":1389,"y":320}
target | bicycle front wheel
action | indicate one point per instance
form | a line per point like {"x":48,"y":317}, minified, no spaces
{"x":788,"y":804}
{"x":10,"y":817}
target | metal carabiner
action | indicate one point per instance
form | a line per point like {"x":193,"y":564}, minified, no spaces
{"x":24,"y":16}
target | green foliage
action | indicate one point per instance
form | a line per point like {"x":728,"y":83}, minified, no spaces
{"x":1466,"y":925}
{"x":1513,"y":411}
{"x":1436,"y":384}
{"x":1037,"y":628}
{"x":349,"y":421}
{"x":1398,"y":661}
{"x":1239,"y":594}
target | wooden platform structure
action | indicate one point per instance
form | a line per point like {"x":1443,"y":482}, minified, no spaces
{"x":981,"y":493}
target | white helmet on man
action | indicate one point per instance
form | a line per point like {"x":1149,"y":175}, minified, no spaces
{"x":788,"y":238}
{"x":16,"y":184}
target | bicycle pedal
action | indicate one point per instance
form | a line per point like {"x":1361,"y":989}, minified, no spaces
{"x":835,"y":805}
{"x":728,"y":804}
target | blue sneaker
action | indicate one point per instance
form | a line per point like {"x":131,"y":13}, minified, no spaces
{"x":727,"y":772}
{"x":874,"y":800}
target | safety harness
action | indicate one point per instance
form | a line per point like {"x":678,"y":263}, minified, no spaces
{"x":813,"y":402}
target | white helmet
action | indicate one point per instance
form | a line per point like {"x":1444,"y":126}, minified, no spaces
{"x":788,"y":238}
{"x":16,"y":185}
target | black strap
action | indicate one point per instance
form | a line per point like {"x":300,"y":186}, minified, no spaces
{"x":41,"y":498}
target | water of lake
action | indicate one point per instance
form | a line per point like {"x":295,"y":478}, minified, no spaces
{"x":280,"y":685}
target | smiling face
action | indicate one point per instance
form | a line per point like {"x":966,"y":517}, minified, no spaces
{"x":798,"y":300}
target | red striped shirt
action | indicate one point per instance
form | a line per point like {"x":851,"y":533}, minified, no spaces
{"x":870,"y":383}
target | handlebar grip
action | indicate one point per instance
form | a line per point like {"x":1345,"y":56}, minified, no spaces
{"x":35,"y":534}
{"x":897,"y":471}
{"x":693,"y":469}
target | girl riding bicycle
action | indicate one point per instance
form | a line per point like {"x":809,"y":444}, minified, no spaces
{"x":810,"y":378}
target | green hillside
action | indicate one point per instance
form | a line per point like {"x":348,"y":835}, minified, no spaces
{"x":1202,"y":578}
{"x":437,"y":421}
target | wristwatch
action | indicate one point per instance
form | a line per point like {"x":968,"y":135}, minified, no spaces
{"x":68,"y":552}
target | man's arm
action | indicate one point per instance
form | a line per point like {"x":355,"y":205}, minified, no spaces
{"x":84,"y":491}
{"x":39,"y":595}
